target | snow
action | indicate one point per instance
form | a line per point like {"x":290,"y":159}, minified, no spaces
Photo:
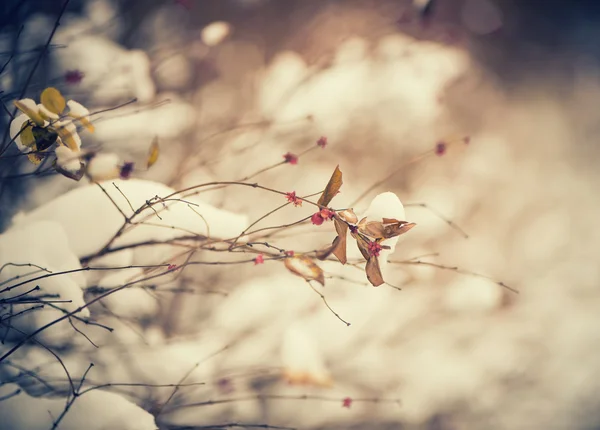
{"x":100,"y":410}
{"x":67,"y":159}
{"x":45,"y":244}
{"x":90,"y":219}
{"x":103,"y":166}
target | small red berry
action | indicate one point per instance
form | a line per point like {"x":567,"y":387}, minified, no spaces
{"x":347,"y":402}
{"x":126,"y":170}
{"x":326,"y":213}
{"x":291,"y":197}
{"x":374,"y":249}
{"x":322,"y":142}
{"x":289,"y":253}
{"x":74,"y":77}
{"x":259,"y":259}
{"x":440,"y":148}
{"x":290,"y":158}
{"x":317,"y":219}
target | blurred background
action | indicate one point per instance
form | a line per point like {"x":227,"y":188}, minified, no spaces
{"x":229,"y":86}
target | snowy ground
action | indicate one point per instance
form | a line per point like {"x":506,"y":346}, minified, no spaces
{"x":448,"y":351}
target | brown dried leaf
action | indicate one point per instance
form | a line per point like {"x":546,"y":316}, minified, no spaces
{"x":348,"y":215}
{"x":339,"y":243}
{"x":322,"y":254}
{"x":305,"y":268}
{"x":363,"y":246}
{"x":374,"y":272}
{"x":397,"y":229}
{"x":385,"y":230}
{"x":374,"y":229}
{"x":76,"y":176}
{"x":332,"y":188}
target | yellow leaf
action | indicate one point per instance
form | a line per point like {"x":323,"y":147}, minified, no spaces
{"x":81,"y":114}
{"x":35,"y":158}
{"x":68,"y":134}
{"x":29,"y":108}
{"x":153,"y":153}
{"x":26,"y":136}
{"x":305,"y":268}
{"x":295,"y":377}
{"x":53,"y":100}
{"x":332,"y":188}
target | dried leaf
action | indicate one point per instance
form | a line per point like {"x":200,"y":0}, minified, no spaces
{"x":374,"y":272}
{"x":35,"y":158}
{"x":339,"y":243}
{"x":348,"y":215}
{"x":307,"y":378}
{"x":332,"y":188}
{"x":374,"y":229}
{"x":71,"y":175}
{"x":385,"y":230}
{"x":322,"y":254}
{"x":153,"y":153}
{"x":53,"y":100}
{"x":397,"y":229}
{"x":363,"y":246}
{"x":305,"y":268}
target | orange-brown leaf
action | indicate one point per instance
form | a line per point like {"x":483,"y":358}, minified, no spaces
{"x":305,"y":268}
{"x":339,"y":243}
{"x":385,"y":230}
{"x":363,"y":246}
{"x":153,"y":153}
{"x":374,"y":229}
{"x":322,"y":254}
{"x":332,"y":188}
{"x":397,"y":229}
{"x":374,"y":272}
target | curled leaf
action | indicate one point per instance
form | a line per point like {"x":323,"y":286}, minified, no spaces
{"x":68,"y":163}
{"x":53,"y":100}
{"x":363,"y":246}
{"x":332,"y":188}
{"x":153,"y":153}
{"x":398,"y":228}
{"x":374,"y":229}
{"x":68,"y":134}
{"x":384,"y":230}
{"x":35,"y":158}
{"x":305,"y":268}
{"x":348,"y":215}
{"x":81,"y":114}
{"x":374,"y":272}
{"x":322,"y":254}
{"x":339,"y":243}
{"x":29,"y":108}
